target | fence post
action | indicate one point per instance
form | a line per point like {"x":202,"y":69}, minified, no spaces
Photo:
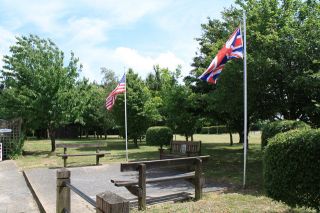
{"x":109,"y":202}
{"x":63,"y":192}
{"x":198,"y":179}
{"x":142,"y":187}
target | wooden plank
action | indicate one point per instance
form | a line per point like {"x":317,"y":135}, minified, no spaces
{"x":83,"y":145}
{"x":188,"y":175}
{"x":85,"y":154}
{"x":133,"y":166}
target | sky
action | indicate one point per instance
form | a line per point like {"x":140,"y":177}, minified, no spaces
{"x":116,"y":34}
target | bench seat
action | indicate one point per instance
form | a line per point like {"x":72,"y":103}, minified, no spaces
{"x":189,"y":175}
{"x":102,"y":154}
{"x":65,"y":146}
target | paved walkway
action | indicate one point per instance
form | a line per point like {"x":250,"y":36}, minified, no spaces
{"x":93,"y":180}
{"x":15,"y":196}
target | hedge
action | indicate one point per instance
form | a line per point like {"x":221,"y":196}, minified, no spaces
{"x":159,"y":136}
{"x":214,"y":130}
{"x":275,"y":127}
{"x":292,"y":168}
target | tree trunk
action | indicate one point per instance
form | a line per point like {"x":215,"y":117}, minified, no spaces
{"x":135,"y":140}
{"x":80,"y":130}
{"x":192,"y":138}
{"x":231,"y":138}
{"x":241,"y":137}
{"x":52,"y":134}
{"x":187,"y":138}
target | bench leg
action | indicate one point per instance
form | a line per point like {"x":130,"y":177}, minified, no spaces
{"x":142,"y":187}
{"x":198,"y":179}
{"x":97,"y":159}
{"x":65,"y":161}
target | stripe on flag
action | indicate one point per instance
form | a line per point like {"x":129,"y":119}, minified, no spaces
{"x":121,"y":88}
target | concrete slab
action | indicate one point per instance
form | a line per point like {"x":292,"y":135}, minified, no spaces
{"x":15,"y":195}
{"x":93,"y":180}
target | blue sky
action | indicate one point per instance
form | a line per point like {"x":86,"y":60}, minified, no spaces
{"x":113,"y":33}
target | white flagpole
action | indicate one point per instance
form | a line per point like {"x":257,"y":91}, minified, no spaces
{"x":125,"y":114}
{"x":245,"y":99}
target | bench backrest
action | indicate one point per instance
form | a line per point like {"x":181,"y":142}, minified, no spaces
{"x":80,"y":145}
{"x":185,"y":146}
{"x":133,"y":166}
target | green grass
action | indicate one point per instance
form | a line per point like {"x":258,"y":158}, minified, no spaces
{"x":225,"y":168}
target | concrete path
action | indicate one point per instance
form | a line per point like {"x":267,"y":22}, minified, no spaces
{"x":93,"y":180}
{"x":15,"y":196}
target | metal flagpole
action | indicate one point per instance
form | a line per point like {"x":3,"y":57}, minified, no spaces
{"x":125,"y":114}
{"x":245,"y":99}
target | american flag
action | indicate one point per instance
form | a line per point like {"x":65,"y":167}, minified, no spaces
{"x":121,"y":88}
{"x":232,"y":49}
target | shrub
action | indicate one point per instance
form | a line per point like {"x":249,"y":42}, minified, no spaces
{"x":16,"y":147}
{"x":214,"y":130}
{"x":159,"y":136}
{"x":273,"y":128}
{"x":292,"y":168}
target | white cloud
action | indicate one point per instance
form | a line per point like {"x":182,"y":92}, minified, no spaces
{"x":87,"y":30}
{"x":7,"y":38}
{"x":143,"y":64}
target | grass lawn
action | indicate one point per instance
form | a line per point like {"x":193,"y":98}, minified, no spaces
{"x":225,"y":167}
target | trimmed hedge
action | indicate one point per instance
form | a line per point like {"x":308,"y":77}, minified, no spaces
{"x":275,"y":127}
{"x":292,"y":168}
{"x":214,"y":130}
{"x":159,"y":136}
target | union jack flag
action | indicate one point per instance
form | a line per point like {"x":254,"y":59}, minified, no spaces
{"x":232,"y":49}
{"x":121,"y":88}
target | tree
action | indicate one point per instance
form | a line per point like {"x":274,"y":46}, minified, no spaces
{"x":38,"y":87}
{"x":137,"y":115}
{"x":282,"y":52}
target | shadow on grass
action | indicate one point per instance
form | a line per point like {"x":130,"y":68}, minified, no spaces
{"x":37,"y":153}
{"x":226,"y":166}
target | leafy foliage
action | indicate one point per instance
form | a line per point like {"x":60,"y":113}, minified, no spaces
{"x":38,"y":87}
{"x":137,"y":115}
{"x":275,"y":127}
{"x":159,"y":136}
{"x":292,"y":168}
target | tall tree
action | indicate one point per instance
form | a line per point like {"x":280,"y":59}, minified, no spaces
{"x":138,"y":117}
{"x":38,"y":86}
{"x":282,"y":53}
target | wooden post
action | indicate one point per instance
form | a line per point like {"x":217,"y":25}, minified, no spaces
{"x":65,"y":157}
{"x":97,"y":156}
{"x":109,"y":202}
{"x":63,"y":192}
{"x":198,"y":179}
{"x":142,"y":187}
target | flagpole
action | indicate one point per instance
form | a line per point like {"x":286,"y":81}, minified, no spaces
{"x":245,"y":99}
{"x":125,"y":114}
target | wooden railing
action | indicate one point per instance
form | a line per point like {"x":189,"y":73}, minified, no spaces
{"x":105,"y":202}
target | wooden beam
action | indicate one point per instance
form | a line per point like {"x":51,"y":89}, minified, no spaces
{"x":133,"y":166}
{"x":83,"y":145}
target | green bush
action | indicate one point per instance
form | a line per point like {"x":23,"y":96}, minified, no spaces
{"x":16,"y":147}
{"x":273,"y":128}
{"x":214,"y":130}
{"x":159,"y":136}
{"x":292,"y":168}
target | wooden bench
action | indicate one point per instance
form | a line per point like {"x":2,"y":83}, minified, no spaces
{"x":138,"y":187}
{"x":65,"y":146}
{"x":181,"y":149}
